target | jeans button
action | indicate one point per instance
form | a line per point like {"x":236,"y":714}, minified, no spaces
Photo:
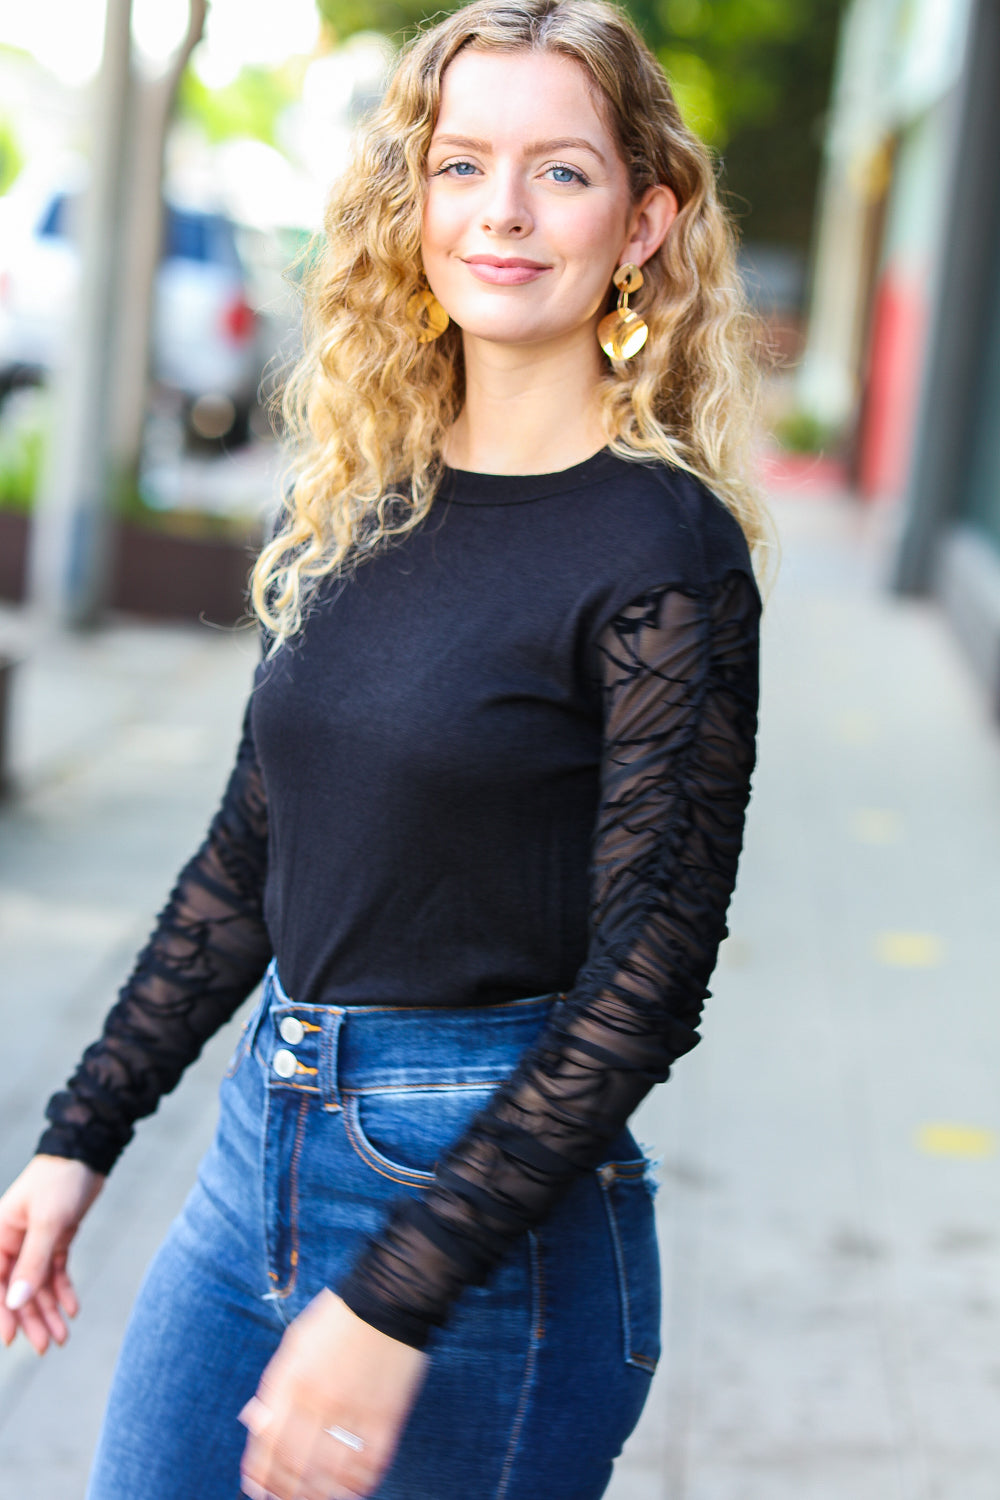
{"x":284,"y":1062}
{"x":291,"y":1030}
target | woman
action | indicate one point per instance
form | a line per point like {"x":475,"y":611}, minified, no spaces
{"x":483,"y":826}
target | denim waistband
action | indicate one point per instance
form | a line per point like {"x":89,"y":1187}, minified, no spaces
{"x":335,"y":1050}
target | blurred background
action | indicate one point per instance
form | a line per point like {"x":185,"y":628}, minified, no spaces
{"x":830,"y":1205}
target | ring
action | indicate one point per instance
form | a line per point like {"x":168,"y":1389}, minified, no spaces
{"x":349,"y":1440}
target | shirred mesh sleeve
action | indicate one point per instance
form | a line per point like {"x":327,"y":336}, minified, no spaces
{"x":679,"y":682}
{"x":208,"y":951}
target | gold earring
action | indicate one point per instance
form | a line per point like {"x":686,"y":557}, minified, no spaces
{"x":622,"y":333}
{"x":426,"y":314}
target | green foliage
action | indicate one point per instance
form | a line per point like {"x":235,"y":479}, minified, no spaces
{"x":752,"y":77}
{"x":249,"y":106}
{"x":696,"y":90}
{"x":22,"y":451}
{"x":395,"y":18}
{"x":801,"y":432}
{"x":775,"y":131}
{"x":718,"y":56}
{"x":11,"y":159}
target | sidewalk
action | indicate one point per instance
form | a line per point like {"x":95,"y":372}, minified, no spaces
{"x":830,"y":1203}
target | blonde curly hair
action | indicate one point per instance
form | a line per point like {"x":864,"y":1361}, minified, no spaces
{"x":368,"y":407}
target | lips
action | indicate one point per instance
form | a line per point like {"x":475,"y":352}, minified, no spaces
{"x":499,"y":270}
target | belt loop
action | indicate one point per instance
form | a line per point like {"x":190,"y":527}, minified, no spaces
{"x":329,"y":1071}
{"x":276,"y":984}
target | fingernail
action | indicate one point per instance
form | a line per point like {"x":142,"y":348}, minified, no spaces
{"x":18,"y":1293}
{"x":254,"y":1491}
{"x":254,"y":1416}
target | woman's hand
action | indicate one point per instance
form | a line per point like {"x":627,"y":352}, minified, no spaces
{"x":332,"y":1370}
{"x":39,"y":1215}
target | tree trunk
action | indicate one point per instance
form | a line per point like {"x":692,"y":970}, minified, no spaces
{"x":69,"y":563}
{"x":153,"y":107}
{"x":101,"y":395}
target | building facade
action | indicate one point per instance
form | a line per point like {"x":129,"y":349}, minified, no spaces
{"x":903,"y":349}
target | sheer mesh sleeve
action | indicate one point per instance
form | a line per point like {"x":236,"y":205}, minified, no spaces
{"x":679,"y":675}
{"x":207,"y":952}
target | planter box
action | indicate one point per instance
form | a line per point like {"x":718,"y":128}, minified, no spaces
{"x":155,"y":574}
{"x":14,"y":529}
{"x":6,"y":674}
{"x":180,"y":578}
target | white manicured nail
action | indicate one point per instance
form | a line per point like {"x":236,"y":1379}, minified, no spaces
{"x":255,"y":1416}
{"x":18,"y":1293}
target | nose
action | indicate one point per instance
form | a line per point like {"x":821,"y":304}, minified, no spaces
{"x":506,"y":210}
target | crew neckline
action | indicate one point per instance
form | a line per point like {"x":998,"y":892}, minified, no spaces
{"x":467,"y":487}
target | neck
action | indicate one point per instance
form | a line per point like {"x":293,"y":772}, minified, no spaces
{"x":528,"y":409}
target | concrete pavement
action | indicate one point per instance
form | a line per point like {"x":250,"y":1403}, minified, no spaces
{"x":830,"y":1198}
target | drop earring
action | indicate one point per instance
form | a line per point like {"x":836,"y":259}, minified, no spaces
{"x":622,"y":333}
{"x":426,"y":314}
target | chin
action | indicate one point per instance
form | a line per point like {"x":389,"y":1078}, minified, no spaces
{"x":511,"y":331}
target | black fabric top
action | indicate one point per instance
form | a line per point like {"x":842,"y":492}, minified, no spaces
{"x":509,"y":756}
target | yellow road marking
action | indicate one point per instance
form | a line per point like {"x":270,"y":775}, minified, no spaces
{"x":909,"y":950}
{"x":855,"y":727}
{"x":968,"y":1141}
{"x":876,"y":825}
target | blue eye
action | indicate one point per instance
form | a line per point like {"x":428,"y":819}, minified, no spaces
{"x":457,"y":168}
{"x":567,"y":175}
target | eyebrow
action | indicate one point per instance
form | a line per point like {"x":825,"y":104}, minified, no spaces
{"x":534,"y":148}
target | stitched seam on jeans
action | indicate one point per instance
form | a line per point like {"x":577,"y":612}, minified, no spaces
{"x":293,"y":1212}
{"x":619,"y":1254}
{"x":329,"y":1058}
{"x":241,"y":1050}
{"x":464,"y":1087}
{"x":625,"y":1170}
{"x":407,"y":1176}
{"x":538,"y":1270}
{"x":632,"y":1357}
{"x":270,"y":1250}
{"x":437,"y":1010}
{"x":537,"y":1298}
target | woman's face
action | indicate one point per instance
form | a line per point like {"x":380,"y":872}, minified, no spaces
{"x":529,"y":209}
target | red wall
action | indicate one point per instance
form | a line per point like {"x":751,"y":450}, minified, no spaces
{"x":895,"y":362}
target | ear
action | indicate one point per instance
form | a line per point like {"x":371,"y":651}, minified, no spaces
{"x":648,"y":224}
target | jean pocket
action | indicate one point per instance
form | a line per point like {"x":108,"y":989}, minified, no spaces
{"x":628,"y":1203}
{"x":403,"y":1132}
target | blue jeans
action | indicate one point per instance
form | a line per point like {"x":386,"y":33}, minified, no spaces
{"x":327,"y":1115}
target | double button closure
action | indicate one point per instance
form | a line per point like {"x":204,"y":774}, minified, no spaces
{"x":291,"y":1030}
{"x":307,"y":1059}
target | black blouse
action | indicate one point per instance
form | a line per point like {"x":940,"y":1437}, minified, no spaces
{"x":510,"y":756}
